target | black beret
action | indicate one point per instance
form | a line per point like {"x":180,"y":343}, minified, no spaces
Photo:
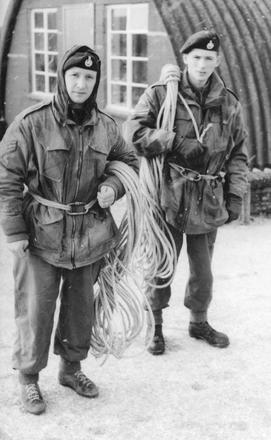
{"x":207,"y":40}
{"x":85,"y":60}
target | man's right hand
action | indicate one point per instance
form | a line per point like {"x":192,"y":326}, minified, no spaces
{"x":18,"y":248}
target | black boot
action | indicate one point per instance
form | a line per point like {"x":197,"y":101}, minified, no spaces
{"x":158,"y":343}
{"x":203,"y":330}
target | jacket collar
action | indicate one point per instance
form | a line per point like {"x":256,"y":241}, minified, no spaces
{"x":93,"y":117}
{"x":215,"y":94}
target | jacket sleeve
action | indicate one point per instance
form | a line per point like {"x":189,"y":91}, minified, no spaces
{"x":120,"y":151}
{"x":141,"y":129}
{"x":14,"y":158}
{"x":237,"y":163}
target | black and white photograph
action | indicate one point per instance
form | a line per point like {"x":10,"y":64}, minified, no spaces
{"x":135,"y":219}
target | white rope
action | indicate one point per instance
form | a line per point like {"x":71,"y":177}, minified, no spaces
{"x":158,"y":247}
{"x":120,"y":302}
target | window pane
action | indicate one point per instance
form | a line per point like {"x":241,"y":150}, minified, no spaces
{"x":119,"y":70}
{"x":139,"y":45}
{"x":118,"y":45}
{"x":119,"y":94}
{"x":136,"y":93}
{"x":52,"y":63}
{"x":39,"y":41}
{"x":139,"y":71}
{"x":52,"y":21}
{"x":118,"y":19}
{"x":52,"y":42}
{"x":52,"y":84}
{"x":39,"y":20}
{"x":139,"y":17}
{"x":40,"y":83}
{"x":39,"y":62}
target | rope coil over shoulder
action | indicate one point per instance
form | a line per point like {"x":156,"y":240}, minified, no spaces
{"x":158,"y":247}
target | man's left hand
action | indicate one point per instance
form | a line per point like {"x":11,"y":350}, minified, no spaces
{"x":234,"y":206}
{"x":106,"y":196}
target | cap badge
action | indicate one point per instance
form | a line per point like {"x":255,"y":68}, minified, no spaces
{"x":88,"y":62}
{"x":210,"y":45}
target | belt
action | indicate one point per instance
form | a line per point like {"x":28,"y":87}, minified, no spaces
{"x":193,"y":175}
{"x":73,"y":208}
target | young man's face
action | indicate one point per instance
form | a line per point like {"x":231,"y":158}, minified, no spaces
{"x":200,"y":65}
{"x":80,"y":83}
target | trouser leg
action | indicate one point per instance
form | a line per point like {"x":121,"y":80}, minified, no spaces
{"x":73,"y":334}
{"x":36,"y":290}
{"x":198,"y":292}
{"x":159,"y":297}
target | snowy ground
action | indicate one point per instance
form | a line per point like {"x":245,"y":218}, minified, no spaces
{"x":194,"y":391}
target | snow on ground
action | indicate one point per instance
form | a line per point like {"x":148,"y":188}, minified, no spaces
{"x":193,"y":391}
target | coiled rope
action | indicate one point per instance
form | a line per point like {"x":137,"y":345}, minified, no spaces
{"x":120,"y":302}
{"x":158,"y":248}
{"x":146,"y":245}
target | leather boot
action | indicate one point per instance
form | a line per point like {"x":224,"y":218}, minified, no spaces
{"x":203,"y":330}
{"x":158,"y":343}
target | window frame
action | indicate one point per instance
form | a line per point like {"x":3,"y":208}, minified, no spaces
{"x":129,"y":58}
{"x":45,"y":30}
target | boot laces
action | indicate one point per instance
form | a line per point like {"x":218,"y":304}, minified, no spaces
{"x":83,"y":379}
{"x":32,"y":392}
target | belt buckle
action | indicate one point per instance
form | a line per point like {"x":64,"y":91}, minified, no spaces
{"x":192,"y":175}
{"x":77,"y":208}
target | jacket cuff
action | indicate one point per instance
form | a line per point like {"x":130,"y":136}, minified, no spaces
{"x":115,"y":184}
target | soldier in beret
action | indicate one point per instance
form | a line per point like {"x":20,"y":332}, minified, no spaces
{"x":204,"y":179}
{"x":60,"y":228}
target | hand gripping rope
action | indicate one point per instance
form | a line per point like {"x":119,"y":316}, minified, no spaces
{"x":159,"y":252}
{"x":120,"y":303}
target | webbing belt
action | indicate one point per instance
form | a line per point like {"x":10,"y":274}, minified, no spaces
{"x":73,"y":208}
{"x":194,"y":176}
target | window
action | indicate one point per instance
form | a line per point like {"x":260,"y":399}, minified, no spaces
{"x":44,"y":50}
{"x":127,"y":54}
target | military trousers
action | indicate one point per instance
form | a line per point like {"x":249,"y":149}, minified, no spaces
{"x":37,"y":286}
{"x":198,"y":291}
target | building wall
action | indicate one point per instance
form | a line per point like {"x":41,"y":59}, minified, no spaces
{"x":18,"y":91}
{"x":159,"y":48}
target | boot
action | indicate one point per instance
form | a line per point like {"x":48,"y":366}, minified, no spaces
{"x":70,"y":375}
{"x":203,"y":330}
{"x":158,"y":343}
{"x":32,"y":398}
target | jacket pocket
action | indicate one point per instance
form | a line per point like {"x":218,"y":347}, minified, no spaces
{"x":99,"y":233}
{"x":214,"y":210}
{"x":95,"y":161}
{"x":54,"y":165}
{"x":46,"y":228}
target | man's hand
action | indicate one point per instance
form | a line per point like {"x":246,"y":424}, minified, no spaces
{"x":18,"y":248}
{"x":106,"y":196}
{"x":234,"y":206}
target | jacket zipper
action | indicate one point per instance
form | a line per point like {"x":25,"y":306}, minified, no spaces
{"x":79,"y":171}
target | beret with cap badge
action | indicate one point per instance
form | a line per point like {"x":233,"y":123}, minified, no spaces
{"x":206,"y":39}
{"x":85,"y":60}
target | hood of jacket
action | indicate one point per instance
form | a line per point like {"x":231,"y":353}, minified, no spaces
{"x":61,"y":100}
